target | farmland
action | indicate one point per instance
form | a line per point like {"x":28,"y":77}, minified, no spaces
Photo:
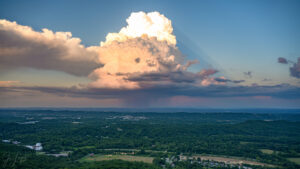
{"x":97,"y":157}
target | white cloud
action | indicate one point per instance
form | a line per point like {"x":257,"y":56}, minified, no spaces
{"x":143,"y":53}
{"x":152,"y":24}
{"x":135,"y":55}
{"x":21,"y":46}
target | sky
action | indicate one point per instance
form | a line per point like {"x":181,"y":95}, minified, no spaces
{"x":198,"y":54}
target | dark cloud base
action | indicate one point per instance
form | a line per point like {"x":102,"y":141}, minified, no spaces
{"x":279,"y":91}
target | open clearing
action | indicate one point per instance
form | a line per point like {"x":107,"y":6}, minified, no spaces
{"x":267,"y":151}
{"x":231,"y":160}
{"x":84,"y":147}
{"x":295,"y":160}
{"x":100,"y":157}
{"x":244,"y":142}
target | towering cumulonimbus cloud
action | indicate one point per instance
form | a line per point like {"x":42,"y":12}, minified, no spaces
{"x":144,"y":53}
{"x":135,"y":56}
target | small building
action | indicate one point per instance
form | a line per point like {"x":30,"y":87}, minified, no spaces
{"x":36,"y":147}
{"x":16,"y":142}
{"x":30,"y":147}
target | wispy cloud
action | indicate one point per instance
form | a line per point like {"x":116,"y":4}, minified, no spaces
{"x":248,"y":74}
{"x":282,"y":60}
{"x":294,"y":69}
{"x":8,"y":83}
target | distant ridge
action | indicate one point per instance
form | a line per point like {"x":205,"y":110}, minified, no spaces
{"x":163,"y":110}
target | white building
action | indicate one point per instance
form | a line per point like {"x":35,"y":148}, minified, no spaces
{"x":16,"y":142}
{"x":36,"y":147}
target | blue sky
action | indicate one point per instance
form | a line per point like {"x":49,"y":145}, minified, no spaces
{"x":231,"y":36}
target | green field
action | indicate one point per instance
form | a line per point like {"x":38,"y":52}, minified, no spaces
{"x":267,"y":151}
{"x":40,"y":153}
{"x":84,"y":147}
{"x":100,"y":157}
{"x":295,"y":160}
{"x":244,"y":142}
